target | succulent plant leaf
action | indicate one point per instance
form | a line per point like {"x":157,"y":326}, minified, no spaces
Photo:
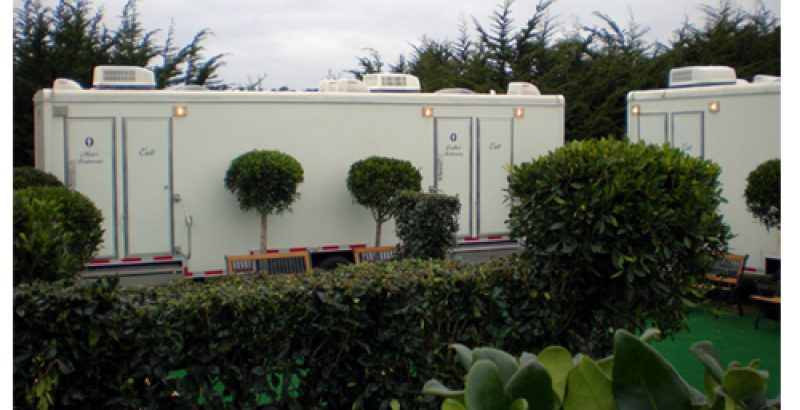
{"x":525,"y":358}
{"x":451,"y":404}
{"x":705,"y":352}
{"x":485,"y":390}
{"x":436,"y":388}
{"x":649,"y":334}
{"x":558,"y":362}
{"x":506,"y":364}
{"x":589,"y":388}
{"x":606,"y":365}
{"x":520,"y":404}
{"x":741,"y":383}
{"x":533,"y":383}
{"x":464,"y":354}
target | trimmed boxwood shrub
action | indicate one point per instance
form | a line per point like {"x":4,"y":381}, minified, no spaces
{"x":426,"y":224}
{"x":763,"y":193}
{"x":265,"y":182}
{"x":375,"y":181}
{"x":56,"y":232}
{"x":26,"y":177}
{"x":618,"y":233}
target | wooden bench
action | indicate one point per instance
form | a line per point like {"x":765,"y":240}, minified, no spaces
{"x":375,"y":254}
{"x":271,"y":263}
{"x":726,"y":276}
{"x":768,"y":296}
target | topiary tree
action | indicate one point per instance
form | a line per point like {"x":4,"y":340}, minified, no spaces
{"x":374,"y":182}
{"x":266,"y":182}
{"x":763,"y":193}
{"x":618,"y":232}
{"x":26,"y":177}
{"x":56,"y":232}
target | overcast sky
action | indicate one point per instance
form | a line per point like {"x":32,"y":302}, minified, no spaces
{"x":296,"y":42}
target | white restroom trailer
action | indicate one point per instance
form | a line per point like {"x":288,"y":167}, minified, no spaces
{"x":153,"y":161}
{"x":709,"y":113}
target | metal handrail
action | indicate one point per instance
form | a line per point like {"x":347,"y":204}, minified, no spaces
{"x":188,"y":220}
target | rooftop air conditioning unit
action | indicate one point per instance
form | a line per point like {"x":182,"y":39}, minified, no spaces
{"x":391,"y":83}
{"x":701,"y":76}
{"x":327,"y":86}
{"x":187,"y":87}
{"x":455,"y":91}
{"x":522,"y":88}
{"x":350,"y":86}
{"x":65,"y":84}
{"x":109,"y":77}
{"x":763,"y":78}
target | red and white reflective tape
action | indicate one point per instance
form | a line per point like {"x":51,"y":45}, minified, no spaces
{"x":119,"y":261}
{"x":317,"y":249}
{"x":202,"y":275}
{"x":485,"y":238}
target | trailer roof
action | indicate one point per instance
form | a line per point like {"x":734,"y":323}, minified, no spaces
{"x":704,"y":92}
{"x":175,"y":96}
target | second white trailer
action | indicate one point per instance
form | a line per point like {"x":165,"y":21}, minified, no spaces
{"x":709,"y":113}
{"x":154,"y":161}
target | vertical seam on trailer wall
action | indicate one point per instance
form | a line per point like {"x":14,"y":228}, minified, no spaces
{"x":671,"y":137}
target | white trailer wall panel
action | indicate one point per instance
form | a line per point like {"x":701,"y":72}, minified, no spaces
{"x":325,"y":132}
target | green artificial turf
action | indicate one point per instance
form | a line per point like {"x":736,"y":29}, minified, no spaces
{"x":734,"y":340}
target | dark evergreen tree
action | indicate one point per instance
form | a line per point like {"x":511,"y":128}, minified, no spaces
{"x":595,"y":67}
{"x":70,"y":40}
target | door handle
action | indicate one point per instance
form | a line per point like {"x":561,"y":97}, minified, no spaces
{"x":71,"y":174}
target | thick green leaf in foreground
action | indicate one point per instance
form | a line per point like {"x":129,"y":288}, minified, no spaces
{"x":707,"y":355}
{"x":643,"y":380}
{"x":436,"y":388}
{"x":450,"y":404}
{"x":589,"y":388}
{"x":520,"y":404}
{"x":484,"y":390}
{"x":558,"y":362}
{"x":742,"y":383}
{"x":506,"y":364}
{"x":464,"y":354}
{"x":532,"y":383}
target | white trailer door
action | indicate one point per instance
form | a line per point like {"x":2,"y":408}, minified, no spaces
{"x":148,"y":186}
{"x":90,"y":171}
{"x":687,"y":132}
{"x":495,"y":144}
{"x":652,"y":128}
{"x":453,"y":165}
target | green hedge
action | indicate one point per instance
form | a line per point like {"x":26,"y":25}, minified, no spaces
{"x":362,"y":335}
{"x":426,"y":224}
{"x":56,"y":232}
{"x":27,"y":177}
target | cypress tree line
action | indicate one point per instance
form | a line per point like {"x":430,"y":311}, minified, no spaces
{"x":594,"y":67}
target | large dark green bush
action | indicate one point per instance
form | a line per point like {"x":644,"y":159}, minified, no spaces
{"x":426,"y":224}
{"x":56,"y":232}
{"x":26,"y":177}
{"x":375,"y":181}
{"x":618,"y":233}
{"x":265,"y":182}
{"x":763,"y":193}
